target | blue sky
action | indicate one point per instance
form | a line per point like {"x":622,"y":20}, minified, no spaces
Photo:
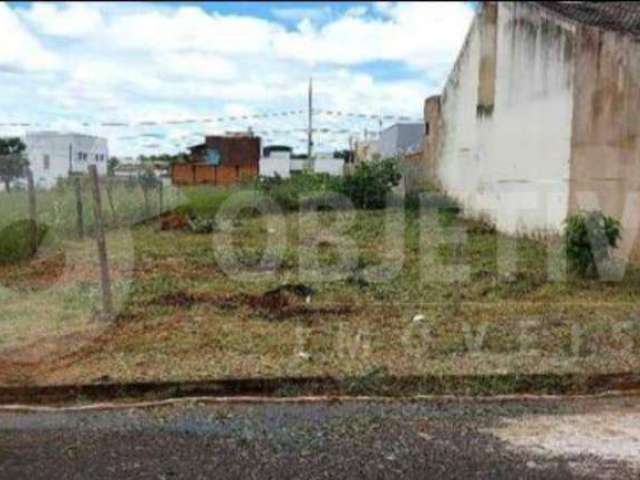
{"x":221,"y":66}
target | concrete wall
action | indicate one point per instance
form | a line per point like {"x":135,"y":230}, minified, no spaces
{"x":510,"y":160}
{"x":331,"y":166}
{"x":277,"y":163}
{"x":432,"y":145}
{"x":64,"y":151}
{"x":605,"y":164}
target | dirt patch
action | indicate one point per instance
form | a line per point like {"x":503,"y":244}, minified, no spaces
{"x":180,"y":299}
{"x":281,"y":303}
{"x":37,"y":274}
{"x":174,"y":221}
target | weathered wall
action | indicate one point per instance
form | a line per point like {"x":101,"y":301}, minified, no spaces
{"x":203,"y":174}
{"x":605,"y":164}
{"x":433,"y":137}
{"x":510,"y":160}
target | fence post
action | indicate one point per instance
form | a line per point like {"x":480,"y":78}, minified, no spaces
{"x":161,"y":196}
{"x":33,"y":214}
{"x":109,"y":188}
{"x":105,"y":281}
{"x":32,"y":196}
{"x":79,"y":208}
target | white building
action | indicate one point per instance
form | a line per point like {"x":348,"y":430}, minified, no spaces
{"x":281,"y":164}
{"x":54,"y":155}
{"x":326,"y":163}
{"x":276,"y":163}
{"x":400,"y":139}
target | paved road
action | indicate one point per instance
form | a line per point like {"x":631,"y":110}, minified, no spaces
{"x":421,"y":440}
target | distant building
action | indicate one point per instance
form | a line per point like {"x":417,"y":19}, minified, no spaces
{"x":276,"y":161}
{"x":220,"y":160}
{"x":54,"y":155}
{"x":400,"y":139}
{"x":133,"y":170}
{"x":327,"y":163}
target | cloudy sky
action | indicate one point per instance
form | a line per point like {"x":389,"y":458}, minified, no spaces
{"x":214,"y":67}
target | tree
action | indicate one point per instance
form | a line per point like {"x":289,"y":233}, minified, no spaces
{"x":112,"y":164}
{"x":164,"y":158}
{"x":148,"y":181}
{"x":12,"y":160}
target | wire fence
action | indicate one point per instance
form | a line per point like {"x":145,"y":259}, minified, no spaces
{"x":67,"y":209}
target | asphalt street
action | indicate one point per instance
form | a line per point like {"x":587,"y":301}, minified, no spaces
{"x":417,"y":439}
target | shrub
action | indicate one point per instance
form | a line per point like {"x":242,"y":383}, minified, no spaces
{"x":587,"y":239}
{"x":289,"y":192}
{"x":21,"y":240}
{"x":202,"y":225}
{"x":371,"y":182}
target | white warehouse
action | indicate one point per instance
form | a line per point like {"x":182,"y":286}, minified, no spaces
{"x":54,"y":155}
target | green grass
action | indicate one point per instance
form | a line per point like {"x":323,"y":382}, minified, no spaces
{"x":57,"y":210}
{"x":215,"y":327}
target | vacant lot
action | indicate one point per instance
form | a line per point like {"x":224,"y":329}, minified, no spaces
{"x":328,"y":293}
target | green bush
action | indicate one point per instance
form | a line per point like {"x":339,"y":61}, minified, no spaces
{"x":587,"y":239}
{"x":371,"y":182}
{"x":21,"y":240}
{"x":367,"y":187}
{"x":202,"y":225}
{"x":288,"y":193}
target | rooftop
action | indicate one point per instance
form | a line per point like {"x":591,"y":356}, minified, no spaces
{"x":620,"y":16}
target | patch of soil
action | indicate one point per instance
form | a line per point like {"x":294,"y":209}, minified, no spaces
{"x":278,"y":304}
{"x":175,"y":299}
{"x":38,"y":274}
{"x":174,"y":221}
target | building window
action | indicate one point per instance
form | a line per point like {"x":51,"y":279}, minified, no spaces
{"x":46,"y":162}
{"x":426,"y":128}
{"x":213,"y":156}
{"x":79,"y":156}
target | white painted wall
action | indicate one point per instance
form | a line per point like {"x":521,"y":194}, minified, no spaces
{"x":277,"y":163}
{"x":512,"y":166}
{"x":65,"y":152}
{"x":330,"y":165}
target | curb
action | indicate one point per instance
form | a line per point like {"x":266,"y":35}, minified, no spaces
{"x":252,"y":400}
{"x":369,"y":387}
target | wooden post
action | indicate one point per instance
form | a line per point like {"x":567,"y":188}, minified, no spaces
{"x":33,"y":213}
{"x":109,"y":188}
{"x":105,"y":281}
{"x":161,"y":195}
{"x":79,"y":208}
{"x":32,"y":196}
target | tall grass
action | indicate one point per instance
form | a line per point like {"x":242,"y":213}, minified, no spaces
{"x":123,"y":205}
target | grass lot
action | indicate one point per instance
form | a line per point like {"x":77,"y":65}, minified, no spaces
{"x":183,"y":315}
{"x":57,"y":207}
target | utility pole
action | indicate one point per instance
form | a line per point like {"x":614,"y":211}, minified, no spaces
{"x":310,"y":128}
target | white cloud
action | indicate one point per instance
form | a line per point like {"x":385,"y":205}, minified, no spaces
{"x":419,"y":34}
{"x":146,"y":61}
{"x":19,"y":50}
{"x":197,"y":65}
{"x":191,"y":28}
{"x":65,"y":20}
